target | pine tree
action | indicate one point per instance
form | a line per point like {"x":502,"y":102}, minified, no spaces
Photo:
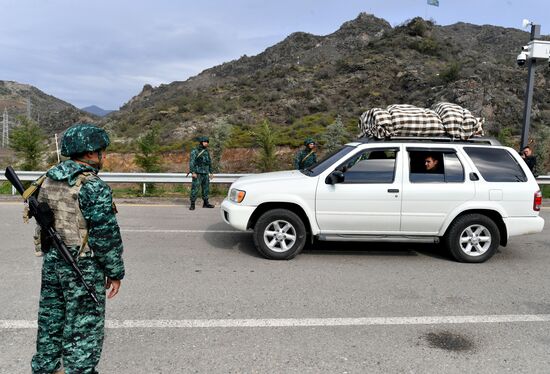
{"x":148,"y":156}
{"x":265,"y":139}
{"x":218,"y":140}
{"x":336,"y":135}
{"x":27,"y":140}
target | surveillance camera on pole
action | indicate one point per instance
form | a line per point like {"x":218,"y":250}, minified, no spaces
{"x":535,"y":51}
{"x":523,"y":56}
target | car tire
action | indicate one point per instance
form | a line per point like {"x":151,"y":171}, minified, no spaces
{"x":279,"y":234}
{"x":472,"y":238}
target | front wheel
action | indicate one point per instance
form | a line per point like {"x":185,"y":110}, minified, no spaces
{"x":279,"y":234}
{"x":473,"y":238}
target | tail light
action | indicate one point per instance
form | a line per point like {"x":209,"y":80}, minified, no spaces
{"x":537,"y":201}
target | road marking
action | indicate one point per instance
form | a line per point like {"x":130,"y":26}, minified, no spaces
{"x":301,"y":322}
{"x":182,"y":231}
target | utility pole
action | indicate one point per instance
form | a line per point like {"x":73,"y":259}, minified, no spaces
{"x":5,"y":129}
{"x":528,"y":101}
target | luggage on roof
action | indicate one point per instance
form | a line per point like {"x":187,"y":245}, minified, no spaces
{"x":443,"y":119}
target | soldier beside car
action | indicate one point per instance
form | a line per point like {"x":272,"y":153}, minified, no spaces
{"x":306,"y":157}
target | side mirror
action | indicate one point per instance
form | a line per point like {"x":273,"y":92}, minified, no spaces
{"x":335,"y":177}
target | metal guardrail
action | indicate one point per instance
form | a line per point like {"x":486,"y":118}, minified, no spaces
{"x":144,"y":178}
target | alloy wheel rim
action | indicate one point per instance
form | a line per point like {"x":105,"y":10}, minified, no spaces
{"x":280,"y":236}
{"x":475,"y":240}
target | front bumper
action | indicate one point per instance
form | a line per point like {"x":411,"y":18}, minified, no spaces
{"x":236,"y":215}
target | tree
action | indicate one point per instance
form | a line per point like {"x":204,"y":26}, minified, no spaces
{"x":27,"y":140}
{"x":218,"y":140}
{"x":265,"y":139}
{"x":148,"y":156}
{"x":335,"y":136}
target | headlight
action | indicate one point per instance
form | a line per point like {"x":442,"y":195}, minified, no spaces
{"x":236,"y":195}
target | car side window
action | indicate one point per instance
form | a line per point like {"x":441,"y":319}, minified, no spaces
{"x":429,"y":166}
{"x":496,"y":164}
{"x":372,"y":166}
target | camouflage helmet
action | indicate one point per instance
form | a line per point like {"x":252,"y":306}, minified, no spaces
{"x":203,"y":139}
{"x":83,"y":137}
{"x":309,"y":141}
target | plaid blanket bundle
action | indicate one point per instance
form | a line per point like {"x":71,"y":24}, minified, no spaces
{"x":443,"y":119}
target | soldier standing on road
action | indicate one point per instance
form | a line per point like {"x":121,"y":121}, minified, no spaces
{"x":200,"y":166}
{"x":70,"y":324}
{"x":306,"y":157}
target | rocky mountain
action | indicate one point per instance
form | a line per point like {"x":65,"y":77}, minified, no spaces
{"x":53,"y":114}
{"x":96,"y":111}
{"x":306,"y":80}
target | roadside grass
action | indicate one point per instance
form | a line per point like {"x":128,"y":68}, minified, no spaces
{"x":164,"y":190}
{"x":5,"y":188}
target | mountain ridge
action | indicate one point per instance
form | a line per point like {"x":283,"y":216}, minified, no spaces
{"x":53,"y":114}
{"x":97,"y":111}
{"x":363,"y":64}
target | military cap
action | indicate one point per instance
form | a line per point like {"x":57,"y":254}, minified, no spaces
{"x":309,"y":141}
{"x":83,"y":137}
{"x":203,"y":139}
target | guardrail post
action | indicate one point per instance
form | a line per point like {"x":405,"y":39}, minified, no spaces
{"x":144,"y":188}
{"x":12,"y":190}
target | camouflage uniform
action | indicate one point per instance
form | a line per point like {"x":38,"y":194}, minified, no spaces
{"x":200,"y":164}
{"x":70,"y":324}
{"x":306,"y":157}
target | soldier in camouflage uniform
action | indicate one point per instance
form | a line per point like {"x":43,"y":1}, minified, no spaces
{"x":70,"y":323}
{"x":200,"y":166}
{"x":306,"y":157}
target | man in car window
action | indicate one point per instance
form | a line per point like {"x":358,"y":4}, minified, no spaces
{"x":431,"y":164}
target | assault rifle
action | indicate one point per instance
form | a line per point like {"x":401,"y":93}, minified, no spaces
{"x":45,"y":218}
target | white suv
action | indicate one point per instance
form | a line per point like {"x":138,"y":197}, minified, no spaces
{"x":478,"y":195}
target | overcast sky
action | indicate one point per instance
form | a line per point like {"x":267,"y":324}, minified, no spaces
{"x":102,"y":52}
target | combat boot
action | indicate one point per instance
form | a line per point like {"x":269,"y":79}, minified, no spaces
{"x":206,"y":204}
{"x":192,"y":206}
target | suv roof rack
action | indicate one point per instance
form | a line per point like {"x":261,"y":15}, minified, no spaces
{"x":477,"y":139}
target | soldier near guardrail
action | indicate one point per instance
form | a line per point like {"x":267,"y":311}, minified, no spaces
{"x":200,"y":166}
{"x":529,"y":158}
{"x":307,"y":156}
{"x":70,"y":324}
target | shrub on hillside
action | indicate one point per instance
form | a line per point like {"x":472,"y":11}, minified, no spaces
{"x":451,"y":72}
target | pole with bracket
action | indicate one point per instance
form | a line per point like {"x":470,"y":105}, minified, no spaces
{"x":528,"y":102}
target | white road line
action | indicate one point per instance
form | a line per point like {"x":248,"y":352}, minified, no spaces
{"x":301,"y":322}
{"x":181,"y":231}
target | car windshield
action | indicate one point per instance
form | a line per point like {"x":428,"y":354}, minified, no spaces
{"x":328,"y":160}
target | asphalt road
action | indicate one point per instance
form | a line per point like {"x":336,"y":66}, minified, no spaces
{"x":198,"y":298}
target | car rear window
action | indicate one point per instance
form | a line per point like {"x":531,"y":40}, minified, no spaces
{"x":496,"y":164}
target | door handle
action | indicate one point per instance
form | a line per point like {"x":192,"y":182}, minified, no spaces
{"x":393,"y":190}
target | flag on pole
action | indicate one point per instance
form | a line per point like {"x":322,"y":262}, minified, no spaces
{"x":433,"y":2}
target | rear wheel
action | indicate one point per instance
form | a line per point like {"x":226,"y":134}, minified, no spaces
{"x":473,"y":238}
{"x":279,"y":234}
